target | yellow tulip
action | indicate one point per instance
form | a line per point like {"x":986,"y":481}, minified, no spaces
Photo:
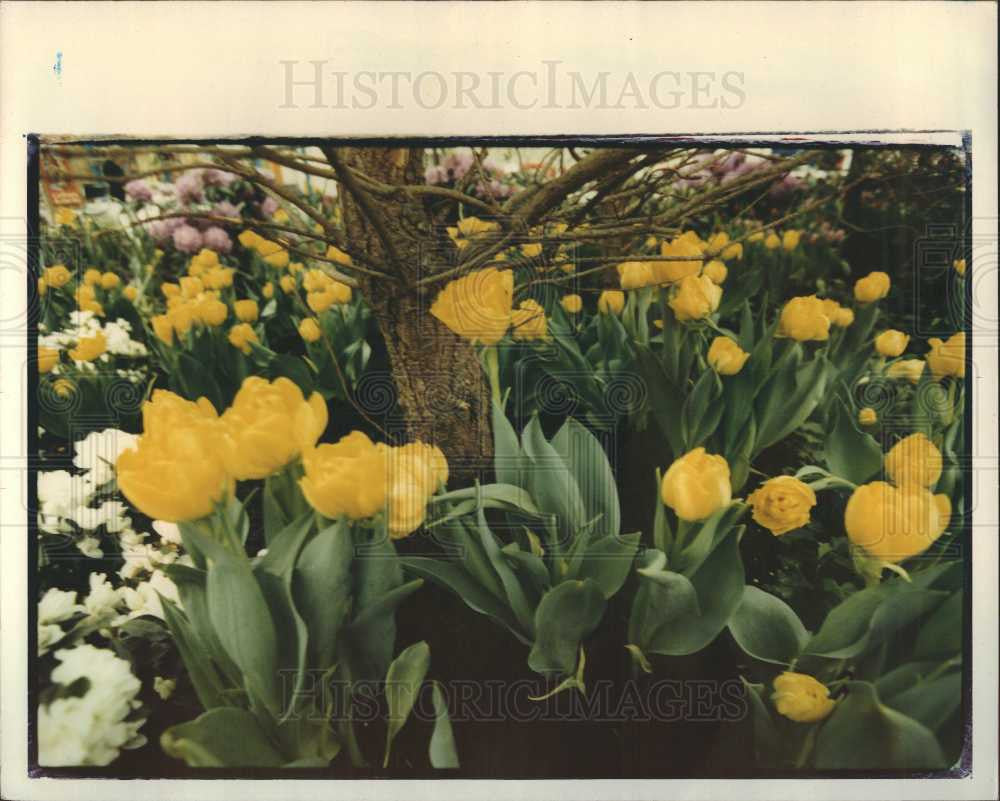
{"x":473,"y":226}
{"x":867,"y":416}
{"x":249,"y":239}
{"x":130,"y":293}
{"x":268,"y":425}
{"x":636,"y":274}
{"x":697,"y":485}
{"x":246,"y":311}
{"x":756,"y":236}
{"x":790,"y":240}
{"x":907,"y":369}
{"x":914,"y":460}
{"x":895,"y":523}
{"x":716,"y":243}
{"x":529,"y":321}
{"x":335,"y":254}
{"x":804,"y":318}
{"x":696,"y":297}
{"x":191,"y":286}
{"x":532,"y":249}
{"x":843,"y":318}
{"x":241,"y":335}
{"x":163,"y":328}
{"x":947,"y":358}
{"x":65,"y":216}
{"x":801,"y":698}
{"x":611,"y":301}
{"x":170,"y":290}
{"x":772,"y":241}
{"x":872,"y":287}
{"x":43,"y":287}
{"x":732,"y":252}
{"x":346,"y":479}
{"x":416,"y":472}
{"x":181,"y":317}
{"x":287,"y":284}
{"x":891,"y":343}
{"x":210,"y":310}
{"x":477,"y":306}
{"x":959,"y":265}
{"x":782,"y":504}
{"x":47,"y":359}
{"x":267,"y":290}
{"x":109,"y":281}
{"x":92,"y":276}
{"x":89,"y":348}
{"x":315,"y":280}
{"x":572,"y":304}
{"x":63,"y":387}
{"x":176,"y":471}
{"x":309,"y":330}
{"x":203,"y":261}
{"x":685,"y":260}
{"x":218,"y":277}
{"x":726,"y":357}
{"x":716,"y":271}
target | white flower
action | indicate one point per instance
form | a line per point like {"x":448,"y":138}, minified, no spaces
{"x":164,"y":687}
{"x":90,"y":729}
{"x":169,"y":532}
{"x":48,"y":636}
{"x":57,"y":605}
{"x":103,"y":600}
{"x":60,"y":493}
{"x":99,"y":450}
{"x":145,"y":598}
{"x":90,"y":547}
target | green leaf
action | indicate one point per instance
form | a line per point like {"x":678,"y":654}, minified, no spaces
{"x":222,"y":738}
{"x":583,"y":454}
{"x":551,"y":483}
{"x":766,"y":740}
{"x":495,"y":496}
{"x":283,"y":548}
{"x":507,"y":458}
{"x":851,"y":453}
{"x":864,"y":734}
{"x":196,"y":381}
{"x":321,"y":587}
{"x":789,"y":404}
{"x":292,"y":638}
{"x":941,"y":633}
{"x":767,"y":628}
{"x":708,"y":536}
{"x":203,"y":677}
{"x":568,"y":613}
{"x":402,"y":683}
{"x":608,"y":561}
{"x":288,"y":366}
{"x":442,"y":750}
{"x":242,"y":622}
{"x":511,"y":585}
{"x":930,"y":702}
{"x":377,"y":570}
{"x":452,"y":576}
{"x":717,"y":583}
{"x":702,"y":410}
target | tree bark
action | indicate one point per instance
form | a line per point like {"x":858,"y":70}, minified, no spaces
{"x":440,"y":387}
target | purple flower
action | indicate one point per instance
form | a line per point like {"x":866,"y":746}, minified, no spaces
{"x":268,"y":206}
{"x":187,"y":239}
{"x":189,"y":187}
{"x":225,"y":209}
{"x":218,"y":240}
{"x":790,"y":183}
{"x":163,"y":230}
{"x":138,"y":190}
{"x":213,"y":177}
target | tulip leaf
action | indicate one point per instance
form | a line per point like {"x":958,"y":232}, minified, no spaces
{"x":386,"y":604}
{"x":203,"y":677}
{"x":195,"y":380}
{"x":551,"y":483}
{"x":941,"y":634}
{"x":702,"y":410}
{"x":450,"y":575}
{"x":242,"y":621}
{"x":292,"y":637}
{"x":766,"y":740}
{"x":767,"y":628}
{"x":865,"y":734}
{"x":321,"y":587}
{"x":511,"y":585}
{"x":708,"y":536}
{"x":664,"y":397}
{"x":495,"y":496}
{"x":443,"y":754}
{"x":283,"y":548}
{"x":583,"y":454}
{"x":402,"y":683}
{"x":227,"y":737}
{"x":567,"y":614}
{"x":789,"y":406}
{"x":608,"y":562}
{"x":507,"y":457}
{"x":292,"y":367}
{"x":851,"y":453}
{"x":677,"y":627}
{"x":376,"y":571}
{"x":930,"y":702}
{"x":663,"y":598}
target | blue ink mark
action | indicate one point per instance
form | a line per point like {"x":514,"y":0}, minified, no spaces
{"x":57,"y":67}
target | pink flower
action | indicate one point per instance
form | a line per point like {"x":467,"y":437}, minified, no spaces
{"x":163,"y":230}
{"x":189,"y":187}
{"x":138,"y":190}
{"x":218,"y":240}
{"x":225,"y":209}
{"x":188,"y":239}
{"x":269,"y":206}
{"x":218,"y":178}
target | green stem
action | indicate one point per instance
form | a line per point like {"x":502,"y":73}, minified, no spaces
{"x":492,"y":358}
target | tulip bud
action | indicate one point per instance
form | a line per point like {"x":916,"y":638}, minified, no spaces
{"x":872,"y":287}
{"x":891,"y":343}
{"x":726,"y":357}
{"x":697,"y":485}
{"x":572,"y":304}
{"x":782,"y":504}
{"x":611,"y":301}
{"x":801,"y":698}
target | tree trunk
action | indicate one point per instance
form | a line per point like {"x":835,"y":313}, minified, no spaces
{"x":440,"y":387}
